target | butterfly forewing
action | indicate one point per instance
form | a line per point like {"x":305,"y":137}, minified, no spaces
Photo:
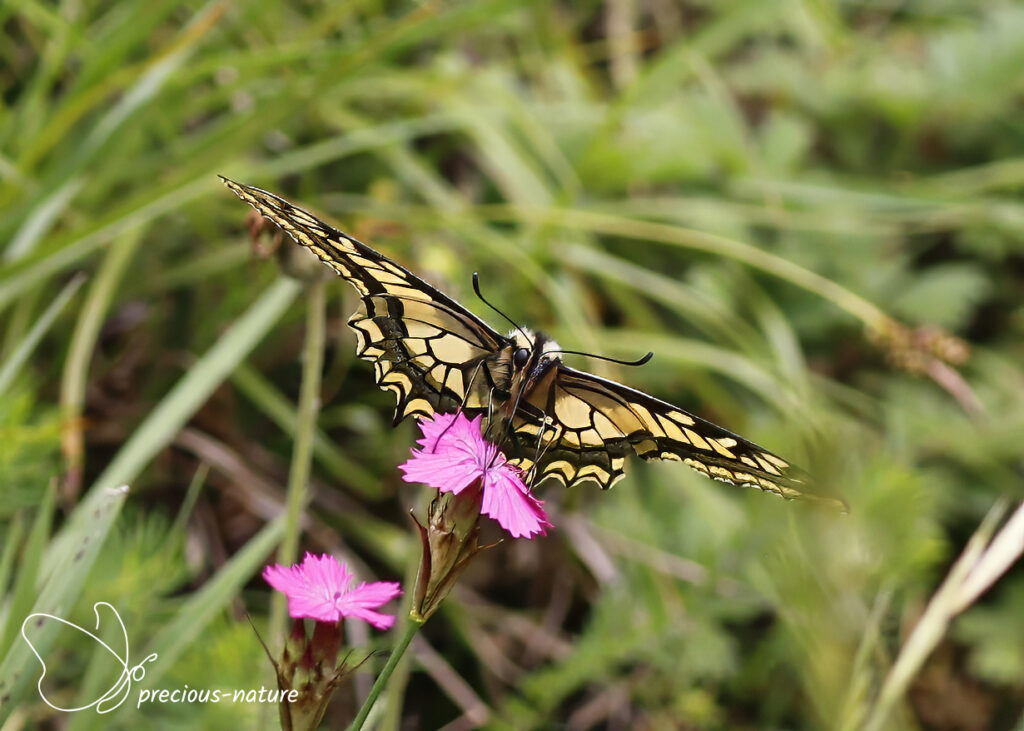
{"x":593,"y":424}
{"x":434,"y":354}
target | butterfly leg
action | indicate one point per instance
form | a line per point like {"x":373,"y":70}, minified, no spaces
{"x":538,"y":452}
{"x":490,"y":415}
{"x":490,"y":424}
{"x":542,"y":447}
{"x":469,"y":387}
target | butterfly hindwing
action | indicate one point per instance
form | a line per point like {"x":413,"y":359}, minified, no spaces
{"x":594,"y":423}
{"x":434,"y":354}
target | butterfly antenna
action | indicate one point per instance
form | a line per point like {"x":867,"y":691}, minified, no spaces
{"x":637,"y":362}
{"x":476,"y":288}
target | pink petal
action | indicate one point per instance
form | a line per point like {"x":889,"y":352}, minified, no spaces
{"x":309,"y":587}
{"x":320,"y":588}
{"x":507,"y":500}
{"x":311,"y":607}
{"x":326,"y":571}
{"x":433,"y":428}
{"x":448,"y":432}
{"x":279,"y":577}
{"x":454,"y":454}
{"x":360,"y":602}
{"x":446,"y":471}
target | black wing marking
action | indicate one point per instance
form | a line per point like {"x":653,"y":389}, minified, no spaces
{"x":592,"y":424}
{"x":432,"y":352}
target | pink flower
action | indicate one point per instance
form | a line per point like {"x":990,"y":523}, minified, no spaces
{"x":320,"y":588}
{"x":455,"y":456}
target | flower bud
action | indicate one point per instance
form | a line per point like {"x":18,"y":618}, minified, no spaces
{"x":449,"y":542}
{"x":307,"y":667}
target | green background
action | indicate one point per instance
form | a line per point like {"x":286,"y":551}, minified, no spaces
{"x":767,"y":195}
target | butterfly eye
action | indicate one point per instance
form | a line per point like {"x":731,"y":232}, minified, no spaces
{"x":521,"y":358}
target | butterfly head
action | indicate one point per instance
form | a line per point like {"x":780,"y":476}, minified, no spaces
{"x":531,"y":355}
{"x":532,"y":349}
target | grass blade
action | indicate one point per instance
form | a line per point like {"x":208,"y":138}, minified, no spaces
{"x":9,"y":370}
{"x":70,"y":558}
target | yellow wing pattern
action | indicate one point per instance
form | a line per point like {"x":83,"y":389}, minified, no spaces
{"x":578,"y":427}
{"x":425,"y":347}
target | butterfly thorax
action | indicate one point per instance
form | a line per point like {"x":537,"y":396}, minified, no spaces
{"x":530,"y":357}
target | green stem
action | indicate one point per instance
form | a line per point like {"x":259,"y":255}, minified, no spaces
{"x":411,"y":628}
{"x":391,"y":715}
{"x":76,"y":366}
{"x":305,"y":428}
{"x":298,"y":473}
{"x":10,"y":368}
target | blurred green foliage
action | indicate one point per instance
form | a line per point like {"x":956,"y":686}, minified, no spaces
{"x":752,"y":190}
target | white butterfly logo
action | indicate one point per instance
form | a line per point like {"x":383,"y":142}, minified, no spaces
{"x":122,"y":686}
